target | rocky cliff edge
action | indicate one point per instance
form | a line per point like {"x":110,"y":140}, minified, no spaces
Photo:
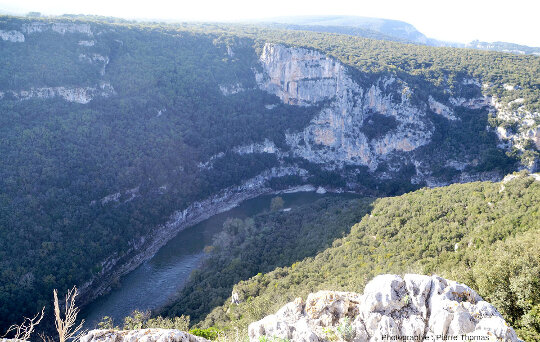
{"x":392,"y":308}
{"x":143,"y":335}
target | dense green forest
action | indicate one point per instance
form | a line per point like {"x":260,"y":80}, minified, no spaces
{"x":483,"y":234}
{"x":59,"y":159}
{"x":165,"y":115}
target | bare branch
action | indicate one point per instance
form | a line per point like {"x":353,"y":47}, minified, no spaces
{"x":45,"y":338}
{"x":66,"y":326}
{"x":26,"y":328}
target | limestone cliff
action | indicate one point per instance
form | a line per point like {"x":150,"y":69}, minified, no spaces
{"x":353,"y":107}
{"x":12,"y":36}
{"x":412,"y":308}
{"x":81,"y":95}
{"x":57,"y":27}
{"x":306,"y":77}
{"x":518,"y":128}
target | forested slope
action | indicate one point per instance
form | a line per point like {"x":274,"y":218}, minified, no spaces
{"x":140,"y":146}
{"x":107,"y":128}
{"x":486,"y":235}
{"x":261,"y":244}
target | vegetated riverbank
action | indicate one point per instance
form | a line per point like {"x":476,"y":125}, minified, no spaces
{"x":157,"y":281}
{"x":116,"y":267}
{"x":145,"y":248}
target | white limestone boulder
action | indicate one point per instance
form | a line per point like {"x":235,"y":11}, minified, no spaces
{"x":413,"y":307}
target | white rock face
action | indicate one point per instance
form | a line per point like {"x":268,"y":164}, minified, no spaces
{"x":12,"y":36}
{"x":61,"y":28}
{"x":210,"y":162}
{"x":320,"y":190}
{"x":336,"y":136}
{"x":95,"y":58}
{"x":526,"y":130}
{"x":300,"y":76}
{"x":266,"y":146}
{"x":474,"y":103}
{"x":70,"y":94}
{"x":111,"y":198}
{"x":306,"y":77}
{"x":231,"y":89}
{"x":441,"y":109}
{"x":35,"y":27}
{"x":79,"y":95}
{"x":64,"y":28}
{"x":87,"y":42}
{"x":415,"y":308}
{"x":141,"y":335}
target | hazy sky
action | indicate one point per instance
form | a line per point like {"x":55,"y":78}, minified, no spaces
{"x":515,"y":21}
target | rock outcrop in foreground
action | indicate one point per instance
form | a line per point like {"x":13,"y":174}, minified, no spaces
{"x":143,"y":335}
{"x":412,"y":308}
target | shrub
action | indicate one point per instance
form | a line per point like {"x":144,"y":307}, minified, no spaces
{"x":209,"y":334}
{"x":345,"y":330}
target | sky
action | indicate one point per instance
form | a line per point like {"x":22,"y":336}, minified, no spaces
{"x":516,"y":21}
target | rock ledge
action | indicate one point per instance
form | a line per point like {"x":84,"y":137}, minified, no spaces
{"x":143,"y":335}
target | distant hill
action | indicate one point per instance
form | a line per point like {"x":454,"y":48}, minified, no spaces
{"x":504,"y":47}
{"x":396,"y":29}
{"x":387,"y":29}
{"x":349,"y":30}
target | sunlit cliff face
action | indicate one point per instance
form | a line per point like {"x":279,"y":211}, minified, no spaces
{"x":307,"y":77}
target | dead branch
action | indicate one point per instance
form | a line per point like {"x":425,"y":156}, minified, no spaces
{"x":26,"y":328}
{"x":66,"y":326}
{"x":45,"y":338}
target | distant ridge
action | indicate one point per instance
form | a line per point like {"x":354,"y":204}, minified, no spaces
{"x":394,"y":28}
{"x":386,"y":29}
{"x":504,"y":47}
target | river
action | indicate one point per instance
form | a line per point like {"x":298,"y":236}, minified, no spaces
{"x":151,"y":284}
